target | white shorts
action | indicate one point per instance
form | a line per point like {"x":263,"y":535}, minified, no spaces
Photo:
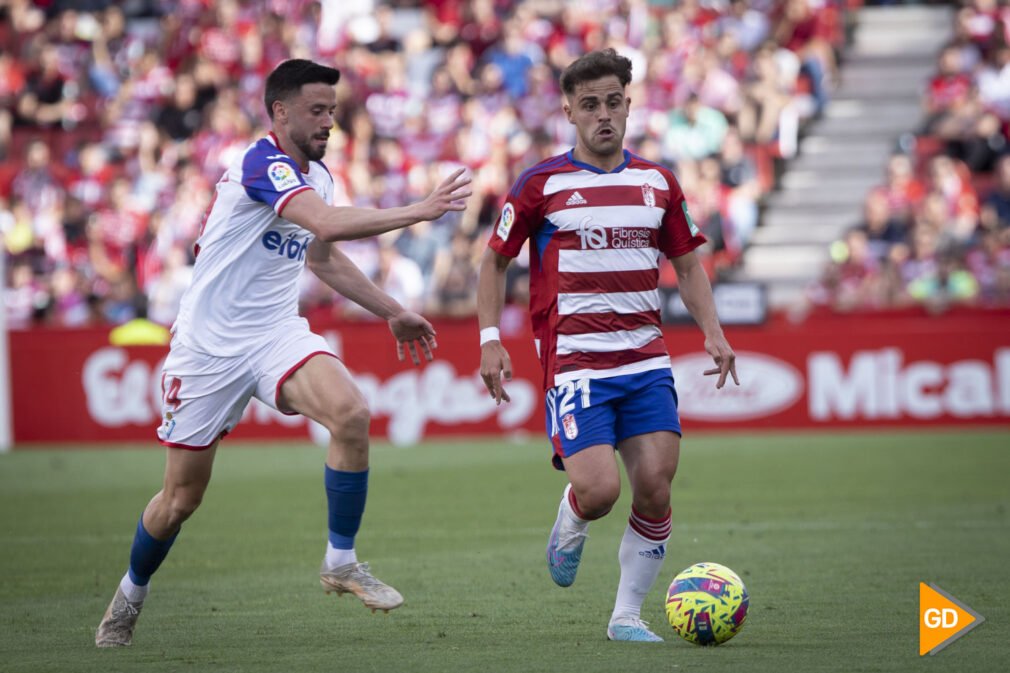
{"x":203,"y":396}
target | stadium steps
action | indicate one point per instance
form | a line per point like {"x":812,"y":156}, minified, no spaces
{"x":843,"y":154}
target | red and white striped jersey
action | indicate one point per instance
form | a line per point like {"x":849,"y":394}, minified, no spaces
{"x":595,"y":240}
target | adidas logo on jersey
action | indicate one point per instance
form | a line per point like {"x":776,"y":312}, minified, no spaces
{"x":576,"y":199}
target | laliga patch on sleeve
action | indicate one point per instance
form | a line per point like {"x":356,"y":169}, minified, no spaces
{"x":282,"y":176}
{"x":508,"y":217}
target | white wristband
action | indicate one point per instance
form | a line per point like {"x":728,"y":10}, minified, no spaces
{"x":489,"y":334}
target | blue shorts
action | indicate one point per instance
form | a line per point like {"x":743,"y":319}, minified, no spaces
{"x":588,"y":412}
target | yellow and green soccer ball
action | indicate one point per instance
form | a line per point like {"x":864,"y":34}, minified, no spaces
{"x":707,"y":604}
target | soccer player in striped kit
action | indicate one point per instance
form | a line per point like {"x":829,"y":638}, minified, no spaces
{"x":597,"y":218}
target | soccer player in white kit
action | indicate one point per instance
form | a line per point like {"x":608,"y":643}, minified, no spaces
{"x":597,"y":219}
{"x":239,"y":335}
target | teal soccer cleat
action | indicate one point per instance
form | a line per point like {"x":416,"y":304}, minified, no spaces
{"x":631,"y":630}
{"x":564,"y":548}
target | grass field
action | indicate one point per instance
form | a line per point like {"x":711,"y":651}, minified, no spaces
{"x":831,"y":533}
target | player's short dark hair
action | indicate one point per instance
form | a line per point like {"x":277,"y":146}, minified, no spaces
{"x":288,"y":78}
{"x":594,"y":65}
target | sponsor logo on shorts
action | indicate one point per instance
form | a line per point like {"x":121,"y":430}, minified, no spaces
{"x":571,"y":429}
{"x":505,"y":222}
{"x":289,"y":247}
{"x":282,"y":176}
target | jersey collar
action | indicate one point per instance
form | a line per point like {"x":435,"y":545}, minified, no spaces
{"x":596,"y":169}
{"x":276,"y":141}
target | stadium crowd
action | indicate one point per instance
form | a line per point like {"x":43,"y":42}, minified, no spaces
{"x":936,"y":231}
{"x":117,"y":119}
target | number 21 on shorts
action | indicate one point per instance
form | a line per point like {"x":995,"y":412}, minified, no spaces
{"x":566,"y":404}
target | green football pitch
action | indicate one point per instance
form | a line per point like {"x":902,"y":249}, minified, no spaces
{"x":831,"y":533}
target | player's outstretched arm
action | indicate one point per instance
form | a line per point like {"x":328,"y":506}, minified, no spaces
{"x":696,"y":292}
{"x":412,"y":332}
{"x":494,"y":359}
{"x":344,"y":223}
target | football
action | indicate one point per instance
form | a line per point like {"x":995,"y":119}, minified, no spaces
{"x":707,"y":604}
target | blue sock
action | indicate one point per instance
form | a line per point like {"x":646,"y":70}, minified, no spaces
{"x":146,"y":554}
{"x":345,"y":494}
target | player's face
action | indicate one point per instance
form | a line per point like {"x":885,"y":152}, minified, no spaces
{"x":599,"y":110}
{"x":310,"y":118}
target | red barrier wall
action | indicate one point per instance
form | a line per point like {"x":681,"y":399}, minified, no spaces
{"x":828,"y":371}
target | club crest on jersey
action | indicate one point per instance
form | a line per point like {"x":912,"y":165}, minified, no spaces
{"x":649,"y":195}
{"x":505,"y":222}
{"x":282,"y":176}
{"x":571,"y":429}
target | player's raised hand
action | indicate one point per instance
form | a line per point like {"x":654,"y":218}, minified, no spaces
{"x":725,"y":360}
{"x":494,"y":365}
{"x":412,"y":331}
{"x":450,"y":195}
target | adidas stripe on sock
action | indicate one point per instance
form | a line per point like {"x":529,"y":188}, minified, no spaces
{"x":641,"y":555}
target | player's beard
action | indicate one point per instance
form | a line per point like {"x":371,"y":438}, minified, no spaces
{"x":308,"y":147}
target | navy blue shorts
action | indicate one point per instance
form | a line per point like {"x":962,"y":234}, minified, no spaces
{"x":588,"y":412}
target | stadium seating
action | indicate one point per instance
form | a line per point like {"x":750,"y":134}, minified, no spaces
{"x":114,"y":127}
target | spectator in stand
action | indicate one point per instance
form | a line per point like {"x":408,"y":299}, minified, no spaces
{"x":853,"y":279}
{"x":767,"y":94}
{"x":748,"y":26}
{"x":514,"y":58}
{"x":153,"y":107}
{"x":995,"y":214}
{"x":694,"y":132}
{"x":803,"y":29}
{"x":951,"y":181}
{"x":902,"y":189}
{"x":400,"y":277}
{"x":989,"y":262}
{"x":42,"y":102}
{"x":181,"y":117}
{"x":948,"y":89}
{"x":739,"y":176}
{"x":881,"y":229}
{"x":947,"y":283}
{"x":21,"y":296}
{"x":454,"y":282}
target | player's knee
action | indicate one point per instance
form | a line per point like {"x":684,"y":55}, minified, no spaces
{"x":596,"y":501}
{"x":182,"y":504}
{"x":654,"y":500}
{"x":349,"y":419}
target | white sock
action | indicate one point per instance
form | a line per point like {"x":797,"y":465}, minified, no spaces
{"x":574,"y":520}
{"x":641,"y":555}
{"x":339,"y":557}
{"x":133,"y":592}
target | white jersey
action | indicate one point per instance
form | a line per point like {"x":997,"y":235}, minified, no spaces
{"x":249,"y":257}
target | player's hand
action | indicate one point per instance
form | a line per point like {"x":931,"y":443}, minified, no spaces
{"x":450,"y":195}
{"x":725,"y":360}
{"x":495,"y":364}
{"x":412,"y":331}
